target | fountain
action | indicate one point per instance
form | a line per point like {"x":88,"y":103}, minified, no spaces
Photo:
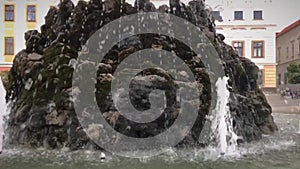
{"x":42,"y":114}
{"x":2,"y":113}
{"x":226,"y":139}
{"x":298,"y":128}
{"x":42,"y":74}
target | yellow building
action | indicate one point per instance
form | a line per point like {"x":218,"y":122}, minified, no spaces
{"x":18,"y":16}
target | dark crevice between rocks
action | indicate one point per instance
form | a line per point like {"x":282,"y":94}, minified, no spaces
{"x":40,"y":81}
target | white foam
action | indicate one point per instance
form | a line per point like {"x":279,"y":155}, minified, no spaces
{"x":3,"y":109}
{"x":222,"y":124}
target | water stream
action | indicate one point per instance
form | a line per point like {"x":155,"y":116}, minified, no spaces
{"x":299,"y":128}
{"x":3,"y":110}
{"x":223,"y":122}
{"x":280,"y":151}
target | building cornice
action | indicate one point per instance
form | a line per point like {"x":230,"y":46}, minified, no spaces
{"x":288,"y":62}
{"x":246,"y":26}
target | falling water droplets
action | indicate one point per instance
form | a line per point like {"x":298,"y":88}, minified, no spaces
{"x":298,"y":128}
{"x":226,"y":138}
{"x":2,"y":105}
{"x":28,"y":84}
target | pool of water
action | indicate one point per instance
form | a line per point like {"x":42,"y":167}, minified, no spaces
{"x":281,"y":151}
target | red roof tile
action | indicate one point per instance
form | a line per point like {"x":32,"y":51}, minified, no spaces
{"x":288,"y":28}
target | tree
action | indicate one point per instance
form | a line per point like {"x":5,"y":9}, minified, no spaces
{"x":293,"y":73}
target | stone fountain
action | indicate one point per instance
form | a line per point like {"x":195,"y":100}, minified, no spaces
{"x":40,"y":81}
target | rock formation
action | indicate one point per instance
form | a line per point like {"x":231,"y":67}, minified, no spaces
{"x":40,"y":81}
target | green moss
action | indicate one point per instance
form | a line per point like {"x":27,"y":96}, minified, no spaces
{"x":4,"y":77}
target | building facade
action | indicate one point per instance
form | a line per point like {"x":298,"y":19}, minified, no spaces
{"x":18,"y":16}
{"x":249,"y":28}
{"x":287,"y":52}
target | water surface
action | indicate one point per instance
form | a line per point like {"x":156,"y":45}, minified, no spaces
{"x":281,"y":151}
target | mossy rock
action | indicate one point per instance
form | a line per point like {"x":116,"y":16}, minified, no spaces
{"x":4,"y":76}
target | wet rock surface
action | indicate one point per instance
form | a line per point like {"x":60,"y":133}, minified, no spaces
{"x":40,"y":81}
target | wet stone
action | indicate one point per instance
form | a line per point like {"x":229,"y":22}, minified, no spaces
{"x":49,"y":61}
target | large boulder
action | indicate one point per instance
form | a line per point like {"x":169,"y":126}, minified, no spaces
{"x":40,"y":81}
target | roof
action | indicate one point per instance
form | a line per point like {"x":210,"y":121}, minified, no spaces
{"x":288,"y":28}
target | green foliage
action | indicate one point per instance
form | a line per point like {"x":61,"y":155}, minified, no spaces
{"x":293,"y":73}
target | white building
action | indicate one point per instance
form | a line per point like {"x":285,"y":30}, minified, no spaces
{"x":250,"y":27}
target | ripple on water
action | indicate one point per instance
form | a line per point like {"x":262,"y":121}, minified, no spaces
{"x":280,"y":151}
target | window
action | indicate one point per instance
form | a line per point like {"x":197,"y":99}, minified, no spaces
{"x":299,"y":46}
{"x":216,"y":16}
{"x":9,"y":46}
{"x":278,"y":54}
{"x":238,"y":15}
{"x":31,"y":13}
{"x":239,"y":47}
{"x":279,"y":79}
{"x":257,"y":15}
{"x":258,"y":49}
{"x":9,"y":12}
{"x":293,"y":50}
{"x":287,"y":52}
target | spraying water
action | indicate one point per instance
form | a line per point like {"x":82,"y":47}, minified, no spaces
{"x":222,"y":125}
{"x":298,"y":128}
{"x":3,"y":109}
